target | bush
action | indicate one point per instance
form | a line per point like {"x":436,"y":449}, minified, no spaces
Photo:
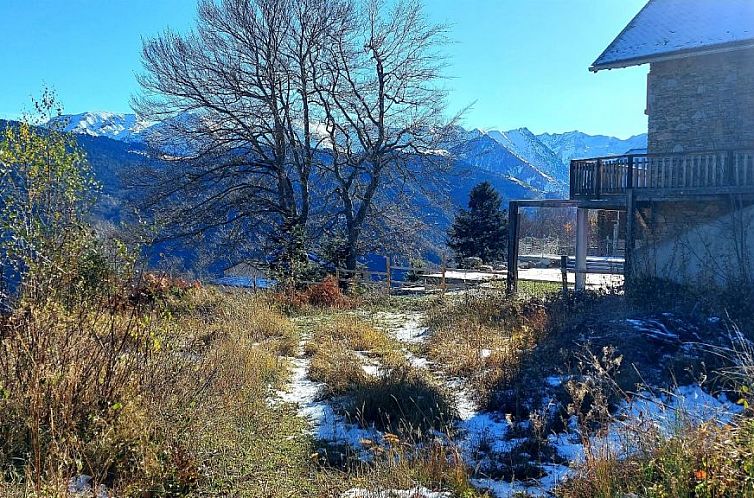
{"x":325,"y":294}
{"x":404,"y":401}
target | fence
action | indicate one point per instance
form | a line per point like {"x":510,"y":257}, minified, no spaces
{"x":704,"y":171}
{"x":396,"y":279}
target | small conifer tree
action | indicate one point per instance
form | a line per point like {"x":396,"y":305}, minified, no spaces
{"x":482,"y":229}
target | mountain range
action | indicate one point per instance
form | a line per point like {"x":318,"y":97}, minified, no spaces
{"x":517,"y":161}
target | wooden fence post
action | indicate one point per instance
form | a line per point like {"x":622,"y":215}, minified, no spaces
{"x":442,"y":278}
{"x":564,"y":274}
{"x":513,"y":233}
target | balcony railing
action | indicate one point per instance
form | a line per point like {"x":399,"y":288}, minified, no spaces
{"x":706,"y":172}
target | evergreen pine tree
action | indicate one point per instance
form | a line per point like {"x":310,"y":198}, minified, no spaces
{"x":482,"y":229}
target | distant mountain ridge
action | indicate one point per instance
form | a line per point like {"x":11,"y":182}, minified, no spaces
{"x":116,"y":126}
{"x":577,"y":145}
{"x":538,"y":163}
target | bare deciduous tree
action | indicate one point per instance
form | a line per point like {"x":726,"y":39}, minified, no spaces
{"x":235,"y":100}
{"x":275,"y":109}
{"x":385,"y":110}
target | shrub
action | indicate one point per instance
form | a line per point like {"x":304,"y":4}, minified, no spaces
{"x":325,"y":294}
{"x":67,"y":376}
{"x":705,"y":461}
{"x":154,"y":287}
{"x":404,"y":401}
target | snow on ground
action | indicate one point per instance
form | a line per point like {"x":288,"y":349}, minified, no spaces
{"x":593,"y":280}
{"x":326,"y":424}
{"x":484,"y":438}
{"x":419,"y":492}
{"x":665,"y":412}
{"x":540,"y":487}
{"x":477,"y":429}
{"x":685,"y":405}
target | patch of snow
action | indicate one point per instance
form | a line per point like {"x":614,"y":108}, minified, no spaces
{"x":484,"y":430}
{"x":412,"y":330}
{"x":485,"y":353}
{"x":332,"y":427}
{"x":666,"y":413}
{"x":303,"y":392}
{"x":654,"y":329}
{"x":373,"y":370}
{"x":81,"y":486}
{"x":418,"y":492}
{"x":417,"y":361}
{"x":555,"y":381}
{"x":685,"y":405}
{"x":568,"y":445}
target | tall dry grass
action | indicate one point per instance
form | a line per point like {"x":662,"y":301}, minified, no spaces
{"x":124,"y":395}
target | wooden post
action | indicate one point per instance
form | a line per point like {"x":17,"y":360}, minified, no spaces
{"x":598,"y":180}
{"x":582,"y":242}
{"x":387,"y":270}
{"x":564,"y":274}
{"x":513,"y":232}
{"x":630,"y":173}
{"x":442,"y":277}
{"x":630,"y":236}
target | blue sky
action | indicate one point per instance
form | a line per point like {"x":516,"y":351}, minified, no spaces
{"x":521,"y":62}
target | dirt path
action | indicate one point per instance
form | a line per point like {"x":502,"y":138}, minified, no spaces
{"x":481,"y":436}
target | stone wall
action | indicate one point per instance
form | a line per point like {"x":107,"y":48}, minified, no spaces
{"x":702,"y":103}
{"x":700,"y":243}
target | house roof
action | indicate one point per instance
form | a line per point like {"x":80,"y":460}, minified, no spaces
{"x":670,"y":29}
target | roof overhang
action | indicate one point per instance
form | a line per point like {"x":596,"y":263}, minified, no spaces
{"x":678,"y":54}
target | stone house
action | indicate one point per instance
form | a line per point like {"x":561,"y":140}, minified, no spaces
{"x":689,"y":199}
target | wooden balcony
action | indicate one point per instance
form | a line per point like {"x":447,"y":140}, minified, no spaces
{"x":663,"y":175}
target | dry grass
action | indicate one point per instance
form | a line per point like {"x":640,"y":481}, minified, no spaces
{"x":209,"y":313}
{"x":403,"y":465}
{"x":355,"y":334}
{"x":400,"y":398}
{"x":705,"y":461}
{"x":485,"y":339}
{"x":404,"y":401}
{"x":339,"y":368}
{"x":124,"y":396}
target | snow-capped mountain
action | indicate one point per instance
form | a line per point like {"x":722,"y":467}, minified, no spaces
{"x":123,"y":127}
{"x":528,"y":147}
{"x":575,"y":144}
{"x":486,"y":153}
